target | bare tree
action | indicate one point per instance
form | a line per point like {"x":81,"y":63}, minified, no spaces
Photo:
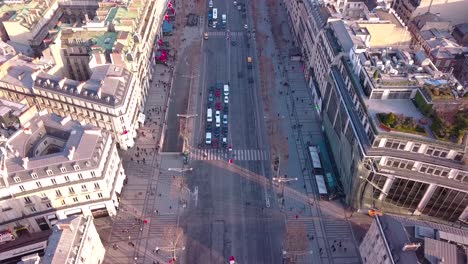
{"x":296,"y":241}
{"x":173,"y":240}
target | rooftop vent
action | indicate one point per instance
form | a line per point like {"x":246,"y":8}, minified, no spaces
{"x":71,"y":152}
{"x":411,"y":246}
{"x":25,"y":162}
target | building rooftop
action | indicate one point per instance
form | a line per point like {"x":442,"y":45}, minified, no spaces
{"x":66,"y":240}
{"x":108,"y":85}
{"x":396,"y":68}
{"x":342,"y":35}
{"x":413,"y":241}
{"x":27,"y":13}
{"x":50,"y":145}
{"x":463,"y":28}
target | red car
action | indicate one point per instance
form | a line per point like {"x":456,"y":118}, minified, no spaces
{"x":217,"y":93}
{"x":214,"y":143}
{"x":218,"y":105}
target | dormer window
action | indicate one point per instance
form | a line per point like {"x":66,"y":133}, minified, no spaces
{"x":76,"y":167}
{"x":33,"y":175}
{"x":88,"y":164}
{"x":49,"y":172}
{"x":63,"y":169}
{"x":17,"y":179}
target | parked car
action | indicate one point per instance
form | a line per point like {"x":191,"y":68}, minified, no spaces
{"x":226,"y":99}
{"x":217,"y":93}
{"x":225,"y":119}
{"x":210,"y":97}
{"x":218,"y":105}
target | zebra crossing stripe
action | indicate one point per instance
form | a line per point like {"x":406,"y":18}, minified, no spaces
{"x":219,"y":154}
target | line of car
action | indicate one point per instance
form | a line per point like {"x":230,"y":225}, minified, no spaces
{"x":217,"y":96}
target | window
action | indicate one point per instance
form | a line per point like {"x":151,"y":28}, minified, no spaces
{"x":88,"y":197}
{"x":59,"y":193}
{"x":22,"y":188}
{"x":429,"y":151}
{"x":48,"y":205}
{"x":75,"y":199}
{"x":71,"y":190}
{"x":53,"y":181}
{"x":93,"y":174}
{"x":84,"y":187}
{"x":76,"y":167}
{"x":34,"y":175}
{"x":423,"y":169}
{"x":38,"y":183}
{"x":62,"y":202}
{"x":43,"y":195}
{"x":50,"y":172}
{"x":17,"y":179}
{"x":96,"y":185}
{"x":67,"y":179}
{"x":443,"y":154}
{"x":33,"y":209}
{"x":416,"y":147}
{"x":80,"y":176}
{"x":99,"y":195}
{"x":444,"y":173}
{"x":63,"y":169}
{"x":27,"y":200}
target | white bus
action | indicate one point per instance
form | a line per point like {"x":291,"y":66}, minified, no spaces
{"x":322,"y":187}
{"x":314,"y":155}
{"x":215,"y":14}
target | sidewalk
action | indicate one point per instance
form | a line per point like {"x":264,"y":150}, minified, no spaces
{"x":149,"y":204}
{"x":293,"y":113}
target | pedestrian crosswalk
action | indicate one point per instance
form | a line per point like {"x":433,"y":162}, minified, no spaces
{"x":160,"y":224}
{"x":336,"y":228}
{"x":125,"y":229}
{"x":236,"y":154}
{"x":224,"y":33}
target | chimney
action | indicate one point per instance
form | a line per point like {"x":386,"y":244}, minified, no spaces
{"x":25,"y":162}
{"x":35,"y":73}
{"x":71,"y":152}
{"x":80,"y":86}
{"x":65,"y":226}
{"x":62,"y":82}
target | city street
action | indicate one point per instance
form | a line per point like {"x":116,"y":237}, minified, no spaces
{"x":237,"y":214}
{"x":223,"y":201}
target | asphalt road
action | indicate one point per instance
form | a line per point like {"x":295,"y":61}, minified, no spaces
{"x":237,"y":213}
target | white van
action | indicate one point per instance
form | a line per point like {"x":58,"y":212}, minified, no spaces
{"x":208,"y":138}
{"x":226,"y":89}
{"x":209,"y":115}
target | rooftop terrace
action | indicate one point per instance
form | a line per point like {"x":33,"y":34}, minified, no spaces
{"x":28,"y":13}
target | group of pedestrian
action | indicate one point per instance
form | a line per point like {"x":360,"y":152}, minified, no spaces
{"x":337,"y":243}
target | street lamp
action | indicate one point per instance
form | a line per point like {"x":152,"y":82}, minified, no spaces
{"x":297,"y":253}
{"x":281,"y":181}
{"x":187,"y":115}
{"x":180,"y":169}
{"x":374,"y":185}
{"x":173,"y":250}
